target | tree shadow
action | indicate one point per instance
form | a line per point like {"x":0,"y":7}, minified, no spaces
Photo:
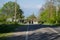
{"x":34,"y":36}
{"x":5,"y":28}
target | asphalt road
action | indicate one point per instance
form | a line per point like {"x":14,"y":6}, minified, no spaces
{"x":57,"y":29}
{"x":36,"y":32}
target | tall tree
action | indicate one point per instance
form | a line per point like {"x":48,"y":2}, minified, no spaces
{"x":49,"y":13}
{"x":9,"y":9}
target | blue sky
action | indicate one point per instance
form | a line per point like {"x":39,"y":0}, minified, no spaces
{"x":28,"y":6}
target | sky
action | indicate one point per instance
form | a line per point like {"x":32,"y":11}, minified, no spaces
{"x":28,"y":6}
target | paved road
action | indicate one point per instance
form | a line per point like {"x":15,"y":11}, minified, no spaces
{"x":35,"y":32}
{"x":57,"y":29}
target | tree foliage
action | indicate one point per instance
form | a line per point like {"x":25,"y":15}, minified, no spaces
{"x":48,"y":15}
{"x":9,"y":9}
{"x":31,"y":17}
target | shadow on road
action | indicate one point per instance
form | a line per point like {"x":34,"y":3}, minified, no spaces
{"x":34,"y":36}
{"x":4,"y":28}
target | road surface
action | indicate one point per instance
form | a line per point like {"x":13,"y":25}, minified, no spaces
{"x":36,"y":32}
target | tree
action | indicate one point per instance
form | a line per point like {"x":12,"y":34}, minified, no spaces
{"x":58,"y":0}
{"x":48,"y":15}
{"x":2,"y":18}
{"x":9,"y":10}
{"x":31,"y":17}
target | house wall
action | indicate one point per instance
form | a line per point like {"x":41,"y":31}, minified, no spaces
{"x":35,"y":22}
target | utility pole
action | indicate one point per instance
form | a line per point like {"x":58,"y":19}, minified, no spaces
{"x":56,"y":12}
{"x":15,"y":10}
{"x":57,"y":8}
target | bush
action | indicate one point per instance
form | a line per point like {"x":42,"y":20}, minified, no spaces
{"x":8,"y":28}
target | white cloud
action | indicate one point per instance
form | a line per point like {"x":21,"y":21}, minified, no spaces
{"x":30,"y":6}
{"x":38,"y":6}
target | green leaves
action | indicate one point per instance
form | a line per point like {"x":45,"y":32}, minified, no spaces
{"x":31,"y":17}
{"x":9,"y":10}
{"x":48,"y":15}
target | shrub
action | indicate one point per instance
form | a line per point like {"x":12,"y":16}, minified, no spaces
{"x":8,"y":28}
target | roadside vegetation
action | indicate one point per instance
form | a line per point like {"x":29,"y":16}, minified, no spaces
{"x":3,"y":36}
{"x":50,"y":13}
{"x":7,"y":17}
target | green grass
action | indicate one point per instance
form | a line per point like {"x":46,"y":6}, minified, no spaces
{"x":3,"y":36}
